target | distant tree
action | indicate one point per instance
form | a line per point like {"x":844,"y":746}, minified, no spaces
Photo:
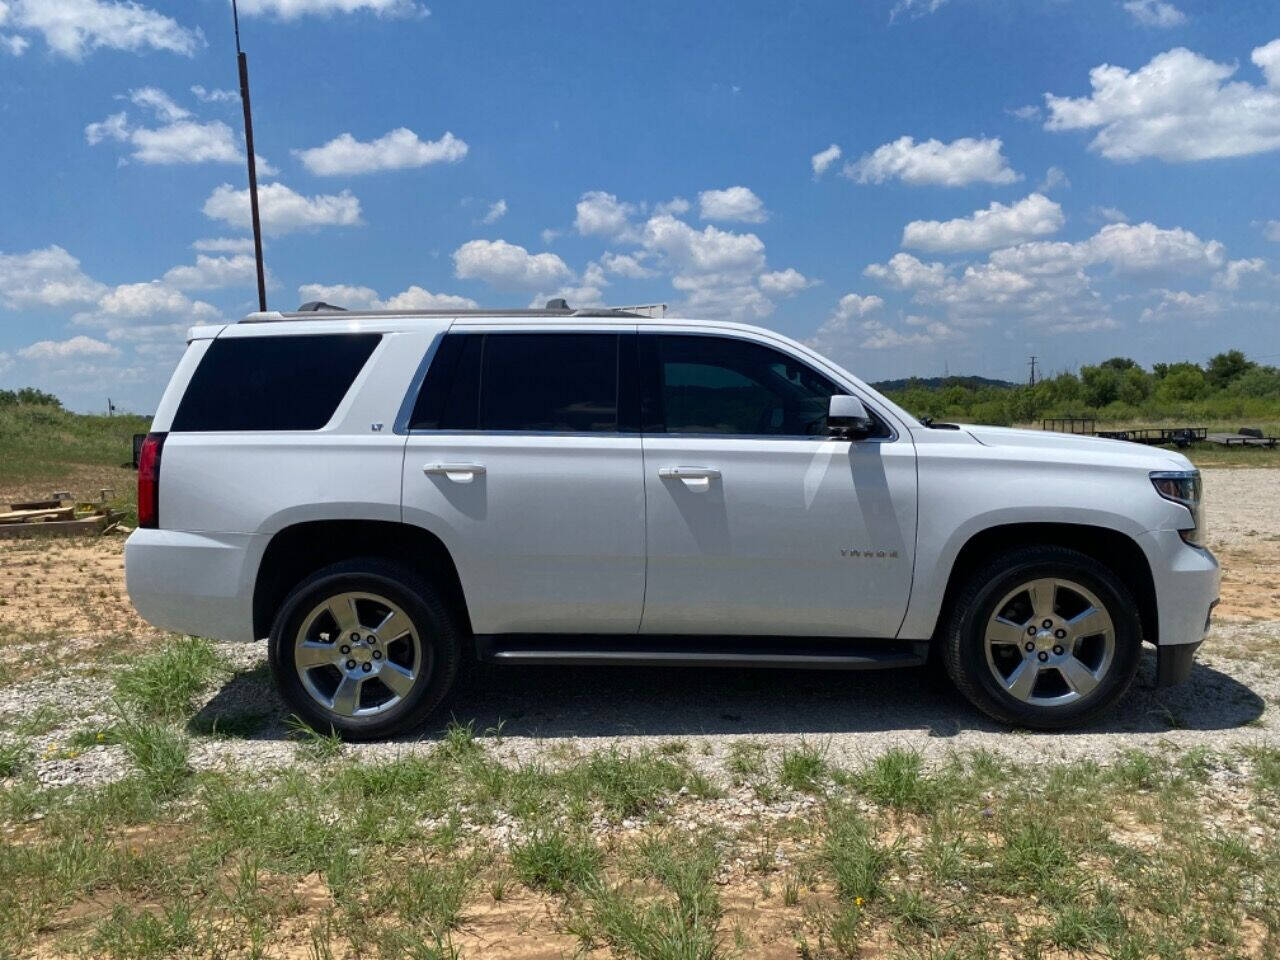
{"x":1225,"y":368}
{"x":1135,"y":386}
{"x":38,"y":398}
{"x":1187,"y":382}
{"x":1101,"y":384}
{"x":1119,"y":363}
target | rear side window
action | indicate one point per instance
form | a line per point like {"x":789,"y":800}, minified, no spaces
{"x":272,"y":383}
{"x":535,"y":382}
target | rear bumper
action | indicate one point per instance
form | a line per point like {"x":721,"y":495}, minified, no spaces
{"x":193,"y":583}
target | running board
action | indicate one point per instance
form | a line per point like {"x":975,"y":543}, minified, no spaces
{"x":795,"y":653}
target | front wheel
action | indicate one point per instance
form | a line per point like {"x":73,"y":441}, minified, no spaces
{"x":365,"y":648}
{"x":1043,"y":637}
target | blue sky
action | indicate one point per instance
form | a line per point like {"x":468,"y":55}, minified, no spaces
{"x":910,"y":185}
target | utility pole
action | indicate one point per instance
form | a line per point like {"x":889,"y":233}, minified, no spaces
{"x":1032,"y":363}
{"x":243,"y":62}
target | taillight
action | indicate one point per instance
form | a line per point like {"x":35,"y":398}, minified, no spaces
{"x":149,"y":480}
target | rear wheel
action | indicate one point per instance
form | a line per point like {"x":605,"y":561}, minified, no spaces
{"x":1043,"y":637}
{"x":365,"y":648}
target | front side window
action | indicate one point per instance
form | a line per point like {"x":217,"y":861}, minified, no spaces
{"x":719,"y":385}
{"x":272,"y":383}
{"x":534,"y":382}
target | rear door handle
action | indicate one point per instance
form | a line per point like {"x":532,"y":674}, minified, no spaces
{"x":458,"y":472}
{"x":689,"y":473}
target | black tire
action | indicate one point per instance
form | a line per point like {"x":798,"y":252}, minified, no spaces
{"x":433,"y":620}
{"x":964,"y":643}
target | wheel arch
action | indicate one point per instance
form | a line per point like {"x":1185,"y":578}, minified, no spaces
{"x":1117,"y":551}
{"x":300,"y":549}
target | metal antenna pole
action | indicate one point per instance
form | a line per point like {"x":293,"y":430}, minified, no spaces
{"x":253,"y":164}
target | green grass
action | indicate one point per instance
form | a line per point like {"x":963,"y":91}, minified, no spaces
{"x":554,"y":860}
{"x":803,"y":768}
{"x":159,"y":753}
{"x":165,"y":683}
{"x":43,"y":442}
{"x":13,"y":757}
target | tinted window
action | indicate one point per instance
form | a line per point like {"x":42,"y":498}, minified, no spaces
{"x":719,"y":385}
{"x":545,"y":382}
{"x":450,"y":396}
{"x":272,"y":383}
{"x":549,"y":382}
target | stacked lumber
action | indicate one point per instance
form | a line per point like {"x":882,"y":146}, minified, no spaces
{"x":53,"y":518}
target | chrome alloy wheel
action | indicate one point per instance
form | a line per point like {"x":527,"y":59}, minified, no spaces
{"x":1049,"y":642}
{"x":358,"y":654}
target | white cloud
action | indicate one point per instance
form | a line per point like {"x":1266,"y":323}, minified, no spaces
{"x":732,"y":203}
{"x":211,"y":273}
{"x":49,"y":277}
{"x":1054,"y":177}
{"x":783,"y":283}
{"x":292,"y":9}
{"x":497,"y":210}
{"x":72,"y":28}
{"x":508,"y":266}
{"x":715,"y":269}
{"x":676,"y":206}
{"x":932,"y":162}
{"x":549,"y":236}
{"x":74,"y":348}
{"x":399,"y":149}
{"x":1155,"y":13}
{"x":135,"y":303}
{"x":1179,"y":107}
{"x":366,"y":298}
{"x":602,"y":214}
{"x":159,"y":103}
{"x":915,"y":8}
{"x":16,"y":45}
{"x":224,"y":245}
{"x":997,"y":226}
{"x":821,"y":160}
{"x":1134,"y":248}
{"x":281,"y":209}
{"x":177,"y":141}
{"x":214,"y":95}
{"x":1109,"y":214}
{"x":927,"y":334}
{"x":905,"y":272}
{"x":626,"y":265}
{"x":710,"y":251}
{"x":1271,"y":230}
{"x":1182,"y":305}
{"x":1236,"y":271}
{"x":1028,"y":112}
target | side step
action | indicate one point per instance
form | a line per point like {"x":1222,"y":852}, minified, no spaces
{"x":795,"y":653}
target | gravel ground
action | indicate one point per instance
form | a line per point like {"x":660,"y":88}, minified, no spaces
{"x":1230,"y":700}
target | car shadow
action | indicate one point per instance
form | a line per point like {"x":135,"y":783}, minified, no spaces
{"x":608,"y":702}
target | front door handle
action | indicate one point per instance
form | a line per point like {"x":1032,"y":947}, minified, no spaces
{"x":457,"y":472}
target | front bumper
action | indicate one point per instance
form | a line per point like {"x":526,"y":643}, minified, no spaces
{"x":193,"y":583}
{"x":1186,"y":581}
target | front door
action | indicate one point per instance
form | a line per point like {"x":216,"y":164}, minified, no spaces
{"x":516,"y":461}
{"x":757,"y":522}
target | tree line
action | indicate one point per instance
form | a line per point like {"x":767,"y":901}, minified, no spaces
{"x":1229,"y":387}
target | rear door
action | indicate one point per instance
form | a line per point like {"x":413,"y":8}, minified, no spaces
{"x":758,"y":523}
{"x":521,"y":457}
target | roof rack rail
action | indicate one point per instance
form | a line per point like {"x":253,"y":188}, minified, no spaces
{"x":558,"y":307}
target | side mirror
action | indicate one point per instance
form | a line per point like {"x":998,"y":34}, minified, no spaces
{"x":847,"y":417}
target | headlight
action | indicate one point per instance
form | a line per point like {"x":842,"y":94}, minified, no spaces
{"x":1183,"y":486}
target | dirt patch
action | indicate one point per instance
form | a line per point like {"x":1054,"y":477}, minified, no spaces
{"x":67,"y":588}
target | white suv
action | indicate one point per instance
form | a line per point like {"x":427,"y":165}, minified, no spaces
{"x":387,"y":495}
